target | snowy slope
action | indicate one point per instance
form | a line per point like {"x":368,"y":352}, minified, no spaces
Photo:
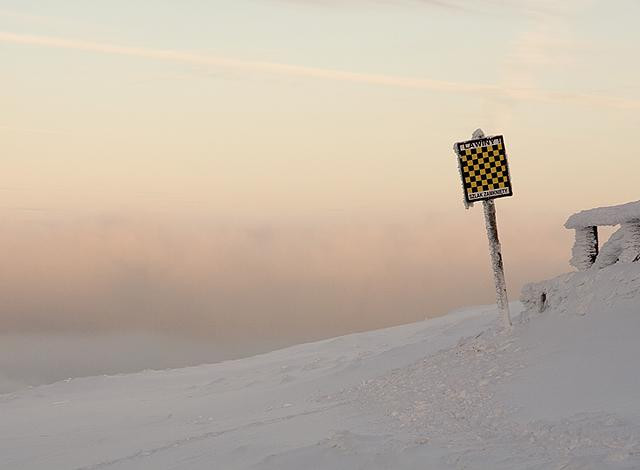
{"x":562,"y":390}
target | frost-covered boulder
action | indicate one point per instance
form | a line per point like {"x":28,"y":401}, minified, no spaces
{"x":594,"y":263}
{"x":623,"y":247}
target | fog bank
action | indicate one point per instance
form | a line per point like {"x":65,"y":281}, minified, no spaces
{"x":110,"y":294}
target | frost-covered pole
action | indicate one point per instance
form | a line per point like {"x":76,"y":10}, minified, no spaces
{"x":496,"y":261}
{"x":496,"y":253}
{"x":484,"y":172}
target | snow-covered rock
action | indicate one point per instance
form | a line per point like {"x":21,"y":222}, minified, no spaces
{"x":624,"y":247}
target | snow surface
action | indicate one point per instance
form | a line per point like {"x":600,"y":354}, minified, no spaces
{"x":561,"y":391}
{"x":612,"y":215}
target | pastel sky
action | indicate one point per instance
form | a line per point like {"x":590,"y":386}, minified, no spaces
{"x":283,"y":169}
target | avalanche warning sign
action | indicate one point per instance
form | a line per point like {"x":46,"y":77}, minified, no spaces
{"x":484,"y":169}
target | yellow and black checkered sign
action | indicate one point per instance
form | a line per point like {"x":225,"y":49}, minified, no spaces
{"x":484,"y":169}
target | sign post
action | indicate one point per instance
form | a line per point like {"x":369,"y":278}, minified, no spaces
{"x":485,"y":176}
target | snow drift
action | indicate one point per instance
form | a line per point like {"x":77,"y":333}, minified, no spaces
{"x":560,"y":391}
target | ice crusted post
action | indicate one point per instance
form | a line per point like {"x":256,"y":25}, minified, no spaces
{"x":496,"y":261}
{"x":585,"y":248}
{"x":496,"y":253}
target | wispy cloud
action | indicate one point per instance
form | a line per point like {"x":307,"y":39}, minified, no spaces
{"x":474,"y":6}
{"x":545,"y":47}
{"x":32,"y":130}
{"x":455,"y":4}
{"x":47,"y":20}
{"x":25,"y":17}
{"x":272,"y":67}
{"x":194,"y":58}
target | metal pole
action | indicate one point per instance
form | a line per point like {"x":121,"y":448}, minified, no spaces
{"x":496,"y":261}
